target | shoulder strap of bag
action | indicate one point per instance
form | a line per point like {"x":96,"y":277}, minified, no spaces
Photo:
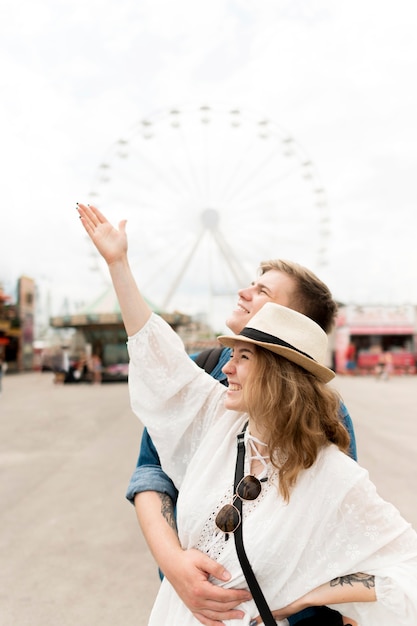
{"x":258,"y":596}
{"x":323,"y":615}
{"x":208,"y":359}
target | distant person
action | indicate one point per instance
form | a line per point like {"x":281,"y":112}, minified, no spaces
{"x":356,"y":552}
{"x":81,"y":372}
{"x":3,"y":370}
{"x":96,"y":369}
{"x":385,"y":366}
{"x":351,"y":359}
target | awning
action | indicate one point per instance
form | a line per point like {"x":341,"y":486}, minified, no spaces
{"x":381,"y":330}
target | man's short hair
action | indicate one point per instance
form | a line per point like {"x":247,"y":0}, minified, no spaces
{"x":311,"y":296}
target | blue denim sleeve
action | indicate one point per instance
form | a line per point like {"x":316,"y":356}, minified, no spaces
{"x":347,"y":421}
{"x":148,"y":475}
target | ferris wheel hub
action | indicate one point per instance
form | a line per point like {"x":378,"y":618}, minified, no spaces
{"x":210,"y":219}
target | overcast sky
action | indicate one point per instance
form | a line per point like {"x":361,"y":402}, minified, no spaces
{"x":338,"y":76}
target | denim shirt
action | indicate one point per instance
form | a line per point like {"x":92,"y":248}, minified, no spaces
{"x":149,"y":476}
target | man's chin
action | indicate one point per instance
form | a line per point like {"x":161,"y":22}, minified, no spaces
{"x":237,"y":321}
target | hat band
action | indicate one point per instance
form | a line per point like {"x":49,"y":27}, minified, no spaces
{"x":258,"y":335}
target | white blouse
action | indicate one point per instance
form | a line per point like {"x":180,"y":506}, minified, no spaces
{"x":335,"y":523}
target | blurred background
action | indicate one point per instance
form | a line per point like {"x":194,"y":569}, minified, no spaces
{"x":226,"y":132}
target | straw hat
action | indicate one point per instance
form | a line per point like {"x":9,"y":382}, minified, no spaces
{"x":288,"y":333}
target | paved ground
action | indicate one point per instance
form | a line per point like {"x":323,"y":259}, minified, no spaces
{"x":71,"y":553}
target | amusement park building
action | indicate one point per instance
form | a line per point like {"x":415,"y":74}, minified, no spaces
{"x":17,"y":326}
{"x":364,"y":333}
{"x":99,"y":331}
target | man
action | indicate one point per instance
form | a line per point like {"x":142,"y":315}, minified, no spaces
{"x":153,"y":493}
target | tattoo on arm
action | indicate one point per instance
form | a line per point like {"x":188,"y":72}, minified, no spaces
{"x":365,"y":579}
{"x":167,"y":510}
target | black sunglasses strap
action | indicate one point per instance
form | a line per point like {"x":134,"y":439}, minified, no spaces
{"x":258,"y":596}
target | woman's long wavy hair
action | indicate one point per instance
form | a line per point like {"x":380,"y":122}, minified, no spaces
{"x":296,"y":412}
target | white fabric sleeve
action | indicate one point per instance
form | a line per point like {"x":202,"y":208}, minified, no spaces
{"x":174,"y":398}
{"x":397,"y":590}
{"x":379,"y":542}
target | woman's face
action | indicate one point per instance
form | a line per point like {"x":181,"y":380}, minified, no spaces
{"x":237,"y":370}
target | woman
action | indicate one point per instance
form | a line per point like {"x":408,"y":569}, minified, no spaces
{"x":356,"y":553}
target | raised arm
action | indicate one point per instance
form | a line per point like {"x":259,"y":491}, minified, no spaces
{"x":188,"y":571}
{"x":111,"y":243}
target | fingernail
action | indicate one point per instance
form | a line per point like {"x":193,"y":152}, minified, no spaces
{"x":226,"y":575}
{"x":253,"y":622}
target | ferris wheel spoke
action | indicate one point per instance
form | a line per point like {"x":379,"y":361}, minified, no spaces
{"x":190,"y":185}
{"x":179,"y":276}
{"x":189,"y":174}
{"x":161,"y":175}
{"x":157,"y":262}
{"x":254,"y":178}
{"x":255,"y":194}
{"x":235,"y":265}
{"x":244,"y":154}
{"x":206,"y":161}
{"x":246,"y":177}
{"x":190,"y":164}
{"x":177,"y":126}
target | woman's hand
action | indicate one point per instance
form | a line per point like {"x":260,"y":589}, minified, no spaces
{"x":112,"y":244}
{"x":109,"y":241}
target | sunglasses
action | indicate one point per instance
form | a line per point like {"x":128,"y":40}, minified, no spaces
{"x":229,"y":518}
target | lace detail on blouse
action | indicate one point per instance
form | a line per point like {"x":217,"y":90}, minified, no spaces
{"x":212,"y":540}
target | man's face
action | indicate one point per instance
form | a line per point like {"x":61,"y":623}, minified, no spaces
{"x":273,"y":286}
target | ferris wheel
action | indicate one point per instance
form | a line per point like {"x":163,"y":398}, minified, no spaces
{"x":209,"y":193}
